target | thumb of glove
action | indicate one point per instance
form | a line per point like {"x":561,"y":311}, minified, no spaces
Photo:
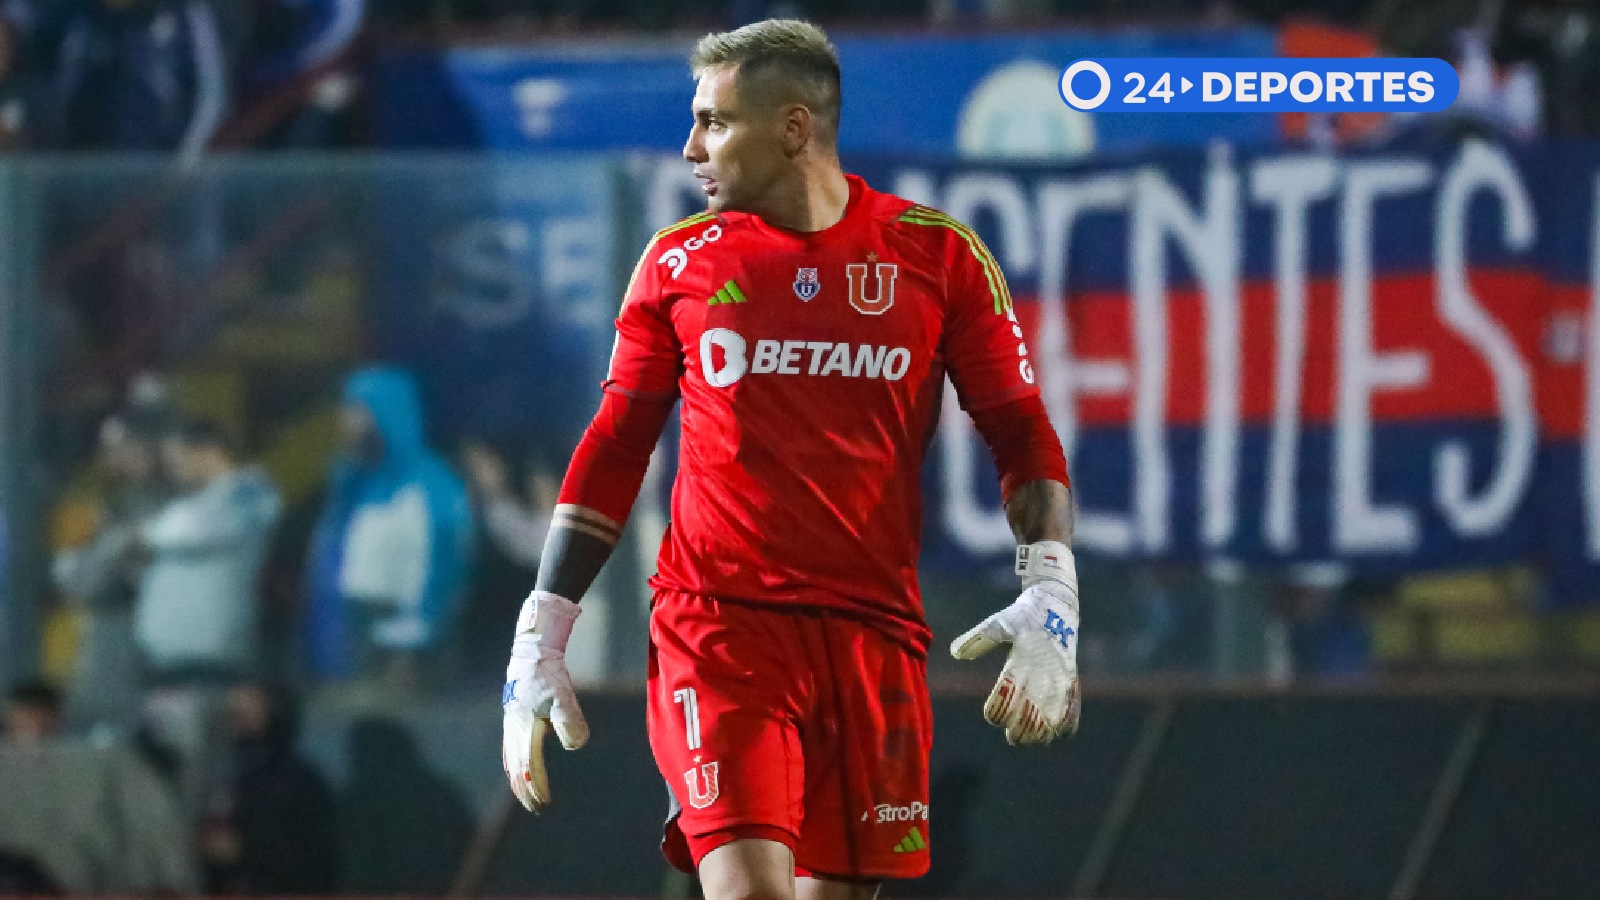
{"x":567,"y":719}
{"x":981,"y":638}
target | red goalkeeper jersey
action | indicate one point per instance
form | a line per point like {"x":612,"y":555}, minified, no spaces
{"x":811,"y":368}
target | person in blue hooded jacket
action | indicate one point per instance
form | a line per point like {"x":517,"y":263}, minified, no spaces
{"x":391,"y":551}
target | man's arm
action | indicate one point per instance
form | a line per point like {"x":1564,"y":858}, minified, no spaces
{"x":577,"y":547}
{"x":599,"y":489}
{"x":1037,"y":698}
{"x":1041,"y":510}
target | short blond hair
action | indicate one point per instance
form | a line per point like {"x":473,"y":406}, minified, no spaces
{"x":782,"y":60}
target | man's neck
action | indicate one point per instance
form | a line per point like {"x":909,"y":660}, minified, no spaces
{"x":815,"y":199}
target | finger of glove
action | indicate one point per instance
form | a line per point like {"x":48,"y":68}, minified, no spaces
{"x":1046,"y":730}
{"x":1069,"y":723}
{"x":980,"y":639}
{"x":1000,"y":709}
{"x":536,"y":780}
{"x":567,"y":717}
{"x":1026,"y":724}
{"x":517,"y":747}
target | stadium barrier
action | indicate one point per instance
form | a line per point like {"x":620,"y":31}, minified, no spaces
{"x":1348,"y":791}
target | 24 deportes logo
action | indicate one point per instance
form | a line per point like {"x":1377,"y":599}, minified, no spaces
{"x":1259,"y":85}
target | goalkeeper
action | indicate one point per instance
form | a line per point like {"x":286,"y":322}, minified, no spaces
{"x":807,"y":324}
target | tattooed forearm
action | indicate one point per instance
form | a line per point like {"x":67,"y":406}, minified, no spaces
{"x":1041,"y":511}
{"x":577,"y":547}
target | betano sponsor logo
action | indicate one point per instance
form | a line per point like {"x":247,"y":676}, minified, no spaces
{"x":724,"y":358}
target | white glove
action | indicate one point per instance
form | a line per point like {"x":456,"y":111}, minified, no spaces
{"x":1036,"y":699}
{"x":538,"y":694}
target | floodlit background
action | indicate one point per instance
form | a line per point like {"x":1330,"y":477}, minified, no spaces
{"x":1329,"y":384}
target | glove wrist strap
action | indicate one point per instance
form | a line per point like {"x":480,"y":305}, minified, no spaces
{"x":1047,"y":561}
{"x":546,"y":621}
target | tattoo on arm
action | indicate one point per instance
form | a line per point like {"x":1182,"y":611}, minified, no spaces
{"x":1041,"y":511}
{"x":578,"y":545}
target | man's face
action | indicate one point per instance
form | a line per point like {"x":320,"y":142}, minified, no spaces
{"x":736,"y":145}
{"x":249,"y":711}
{"x":358,"y":433}
{"x":178,"y":459}
{"x":29,"y":724}
{"x":125,"y":457}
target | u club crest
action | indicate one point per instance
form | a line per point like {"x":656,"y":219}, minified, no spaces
{"x":806,"y":284}
{"x":874,"y":297}
{"x":703,"y":787}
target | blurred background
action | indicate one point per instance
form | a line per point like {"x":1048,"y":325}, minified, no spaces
{"x":1329,"y":384}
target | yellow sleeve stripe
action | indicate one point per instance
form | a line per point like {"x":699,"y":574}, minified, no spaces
{"x":998,"y":289}
{"x":681,"y":224}
{"x":997,"y":279}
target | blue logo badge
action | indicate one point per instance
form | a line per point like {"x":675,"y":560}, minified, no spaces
{"x":1057,"y":626}
{"x":509,"y":692}
{"x":806,"y":284}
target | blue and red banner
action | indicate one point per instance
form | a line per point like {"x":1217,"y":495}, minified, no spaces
{"x":1385,"y":359}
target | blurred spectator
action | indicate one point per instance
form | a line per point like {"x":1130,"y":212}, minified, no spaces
{"x":300,"y":54}
{"x":197,"y":598}
{"x":99,"y":575}
{"x":1561,"y":40}
{"x":514,"y":516}
{"x":32,"y":34}
{"x":274,"y":830}
{"x":196,"y":615}
{"x":13,"y":81}
{"x":32,"y":717}
{"x":33,"y":714}
{"x":293,"y":37}
{"x":94,"y":819}
{"x":1320,"y":627}
{"x":391,"y":553}
{"x":1498,"y":98}
{"x":139,"y":75}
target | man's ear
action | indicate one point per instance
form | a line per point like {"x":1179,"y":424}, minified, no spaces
{"x":798,"y":129}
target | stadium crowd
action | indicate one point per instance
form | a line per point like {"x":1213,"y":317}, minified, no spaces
{"x":173,"y":671}
{"x":174,"y":75}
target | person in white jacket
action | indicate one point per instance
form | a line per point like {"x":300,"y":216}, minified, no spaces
{"x":195,"y":618}
{"x":198,"y":595}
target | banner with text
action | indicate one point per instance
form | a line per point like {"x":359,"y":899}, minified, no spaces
{"x":1381,"y":359}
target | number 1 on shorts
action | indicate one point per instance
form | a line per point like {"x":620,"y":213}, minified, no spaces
{"x":691,"y":715}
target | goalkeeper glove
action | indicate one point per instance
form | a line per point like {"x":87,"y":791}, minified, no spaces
{"x":1036,"y":699}
{"x":538,"y":694}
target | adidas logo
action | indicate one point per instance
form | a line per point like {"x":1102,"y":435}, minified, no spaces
{"x":730,"y":293}
{"x":912,"y":842}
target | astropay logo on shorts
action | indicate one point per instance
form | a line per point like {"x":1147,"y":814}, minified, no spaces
{"x":724,"y":358}
{"x":888,"y":812}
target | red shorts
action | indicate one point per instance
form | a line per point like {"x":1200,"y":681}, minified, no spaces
{"x":794,"y":724}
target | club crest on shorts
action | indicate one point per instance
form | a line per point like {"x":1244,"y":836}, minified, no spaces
{"x":702,"y":781}
{"x":806,"y":284}
{"x":876,"y":298}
